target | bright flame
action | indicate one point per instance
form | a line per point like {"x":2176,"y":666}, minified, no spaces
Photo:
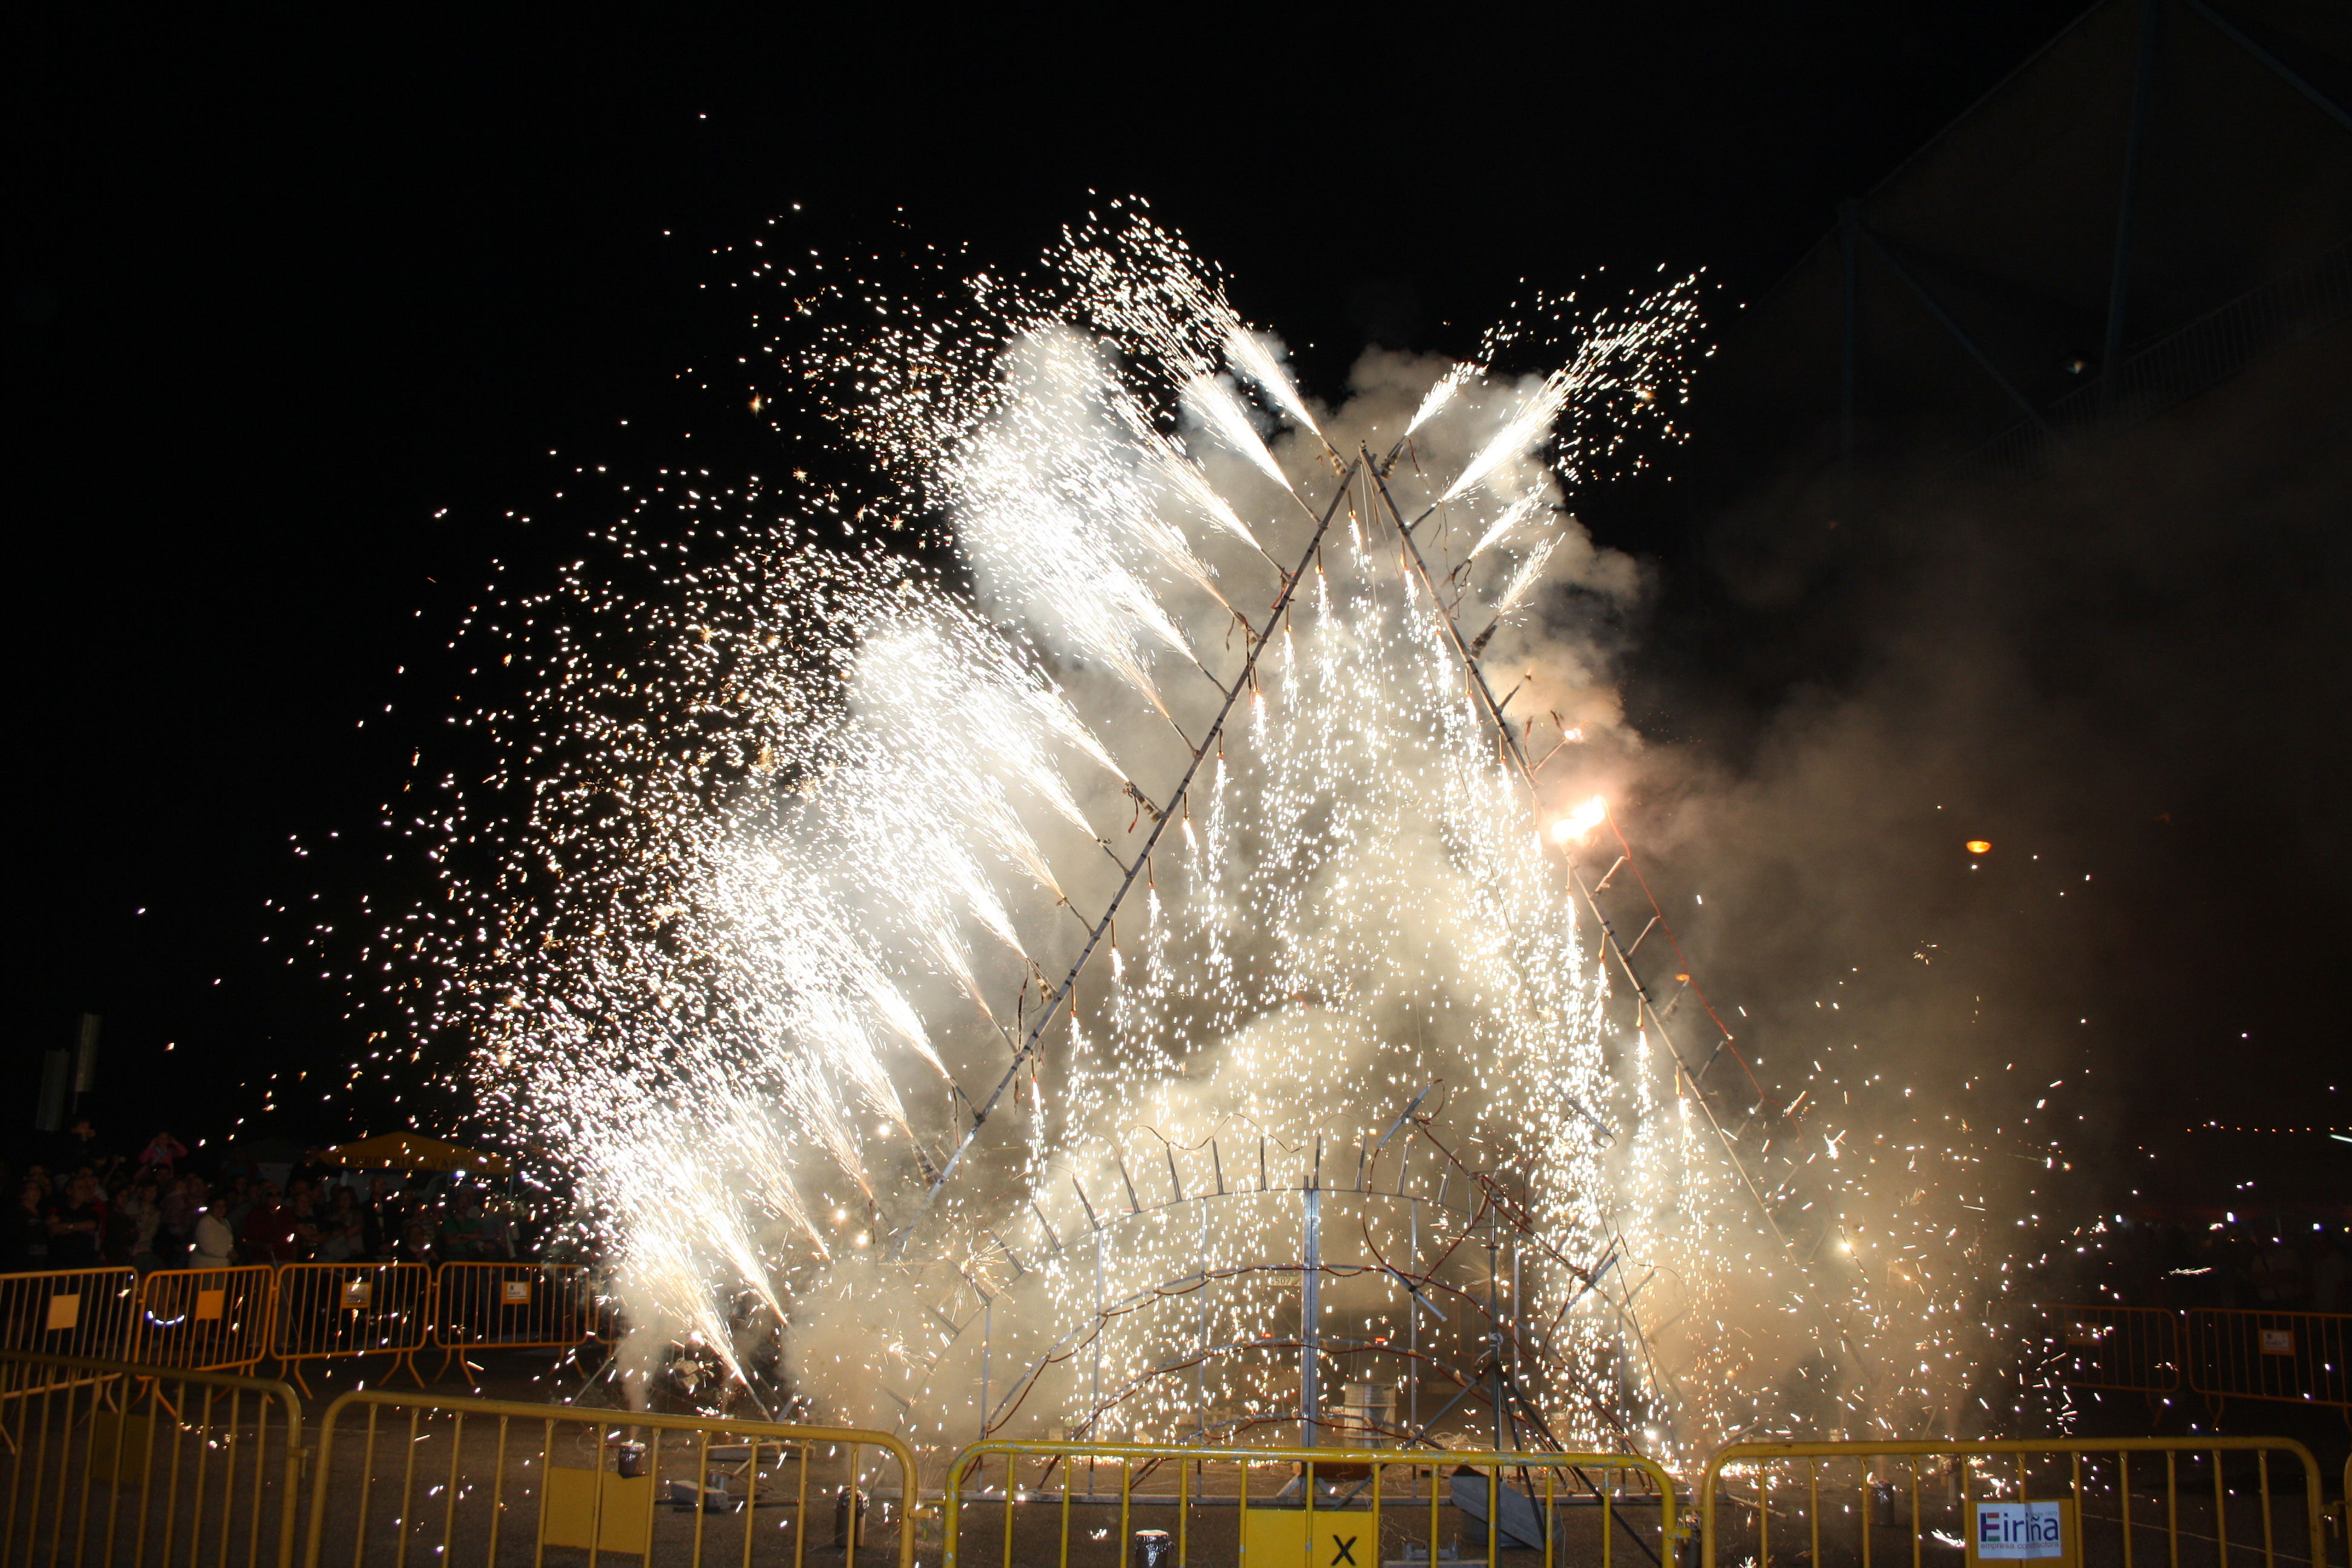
{"x":1573,"y":828}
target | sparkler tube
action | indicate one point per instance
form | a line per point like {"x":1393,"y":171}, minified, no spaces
{"x":1175,"y":804}
{"x":1519,"y":757}
{"x":1647,"y":1003}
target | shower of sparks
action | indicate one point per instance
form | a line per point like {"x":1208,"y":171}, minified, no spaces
{"x":948,"y":992}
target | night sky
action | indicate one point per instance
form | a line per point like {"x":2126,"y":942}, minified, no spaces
{"x":301,"y":319}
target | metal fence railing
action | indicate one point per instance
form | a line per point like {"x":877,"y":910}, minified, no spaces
{"x":67,"y":1312}
{"x":112,"y":1463}
{"x":423,"y":1479}
{"x":322,"y":1312}
{"x":2132,"y":1349}
{"x":2064,"y":1501}
{"x":234,"y":1319}
{"x":510,"y":1306}
{"x":1101,"y":1505}
{"x":204,"y":1319}
{"x":2297,"y":1357}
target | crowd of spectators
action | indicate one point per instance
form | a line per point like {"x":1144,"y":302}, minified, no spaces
{"x":2264,"y":1265}
{"x":79,"y":1204}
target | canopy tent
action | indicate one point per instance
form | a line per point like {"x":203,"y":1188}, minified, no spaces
{"x":411,"y":1151}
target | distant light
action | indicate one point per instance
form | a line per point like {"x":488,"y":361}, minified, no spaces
{"x":1980,"y":846}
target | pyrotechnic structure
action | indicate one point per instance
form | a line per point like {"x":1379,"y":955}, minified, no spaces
{"x":1112,"y":933}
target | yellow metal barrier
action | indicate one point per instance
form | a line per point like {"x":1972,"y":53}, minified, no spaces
{"x":204,"y":1319}
{"x":323,"y":1310}
{"x":2293,"y":1357}
{"x":67,"y":1312}
{"x":1333,"y":1508}
{"x":2131,"y":1349}
{"x":2065,"y":1502}
{"x":510,"y":1306}
{"x":117,"y":1463}
{"x":456,"y":1480}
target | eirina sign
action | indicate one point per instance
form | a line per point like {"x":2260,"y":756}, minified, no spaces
{"x":2023,"y":1532}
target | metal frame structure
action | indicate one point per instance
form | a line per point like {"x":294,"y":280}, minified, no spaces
{"x":1360,"y":483}
{"x":1484,"y":1216}
{"x":2107,"y":394}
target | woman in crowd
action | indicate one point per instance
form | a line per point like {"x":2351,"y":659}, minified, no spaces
{"x":216,"y":1242}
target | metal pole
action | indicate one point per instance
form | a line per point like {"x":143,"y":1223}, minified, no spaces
{"x":1849,"y":222}
{"x":1959,"y":334}
{"x":2328,"y":105}
{"x":1495,"y":1328}
{"x":2111,"y":356}
{"x":1201,"y":1367}
{"x":1094,"y":1412}
{"x":1518,"y":1359}
{"x":1310,"y":1313}
{"x":1413,"y":1320}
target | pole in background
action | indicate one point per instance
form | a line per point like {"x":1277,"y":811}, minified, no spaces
{"x":1849,"y":226}
{"x":1310,"y":1313}
{"x":2110,"y":354}
{"x":85,"y":1061}
{"x":49,"y":1111}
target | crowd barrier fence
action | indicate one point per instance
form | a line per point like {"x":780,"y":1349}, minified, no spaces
{"x":1997,"y":1499}
{"x":322,"y":1312}
{"x":1337,"y":1508}
{"x":64,"y":1313}
{"x":450,"y":1480}
{"x":2297,"y":1357}
{"x":2132,"y":1349}
{"x":67,"y":1312}
{"x":204,"y":1319}
{"x":112,"y":1462}
{"x":510,"y":1306}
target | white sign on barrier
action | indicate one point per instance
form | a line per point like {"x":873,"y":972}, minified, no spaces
{"x":2278,"y":1342}
{"x":2013,"y":1531}
{"x":518,"y":1294}
{"x":357,"y":1292}
{"x":65,"y":1311}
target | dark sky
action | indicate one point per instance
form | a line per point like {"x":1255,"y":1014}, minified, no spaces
{"x":298,"y":314}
